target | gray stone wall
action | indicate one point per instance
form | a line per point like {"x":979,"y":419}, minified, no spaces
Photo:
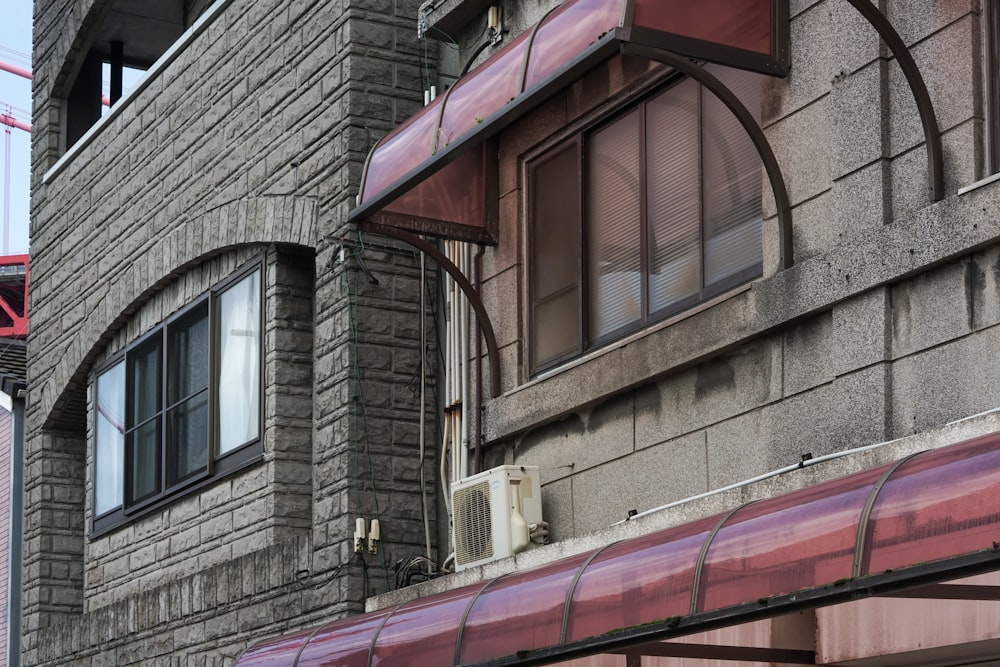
{"x":874,"y":334}
{"x":204,"y":618}
{"x":254,"y":137}
{"x":251,"y":140}
{"x":254,"y":509}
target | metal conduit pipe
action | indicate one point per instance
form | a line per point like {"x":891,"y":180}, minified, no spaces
{"x":423,"y":407}
{"x":753,"y":480}
{"x":478,"y":449}
{"x":464,"y":368}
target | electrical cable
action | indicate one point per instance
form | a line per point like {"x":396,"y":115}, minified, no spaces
{"x":410,"y":572}
{"x":302,"y":576}
{"x":475,"y":54}
{"x":359,"y":402}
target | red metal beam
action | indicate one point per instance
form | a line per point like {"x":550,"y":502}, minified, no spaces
{"x":7,"y":119}
{"x":20,"y":71}
{"x":14,"y":296}
{"x":14,"y":69}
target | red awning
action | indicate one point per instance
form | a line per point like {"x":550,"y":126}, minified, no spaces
{"x":431,"y":174}
{"x":928,"y":517}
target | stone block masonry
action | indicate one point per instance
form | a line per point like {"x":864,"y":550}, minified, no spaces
{"x":248,"y":144}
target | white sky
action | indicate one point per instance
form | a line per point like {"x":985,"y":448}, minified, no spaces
{"x":15,"y":35}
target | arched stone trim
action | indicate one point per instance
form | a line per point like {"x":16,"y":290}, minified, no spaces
{"x":252,"y":221}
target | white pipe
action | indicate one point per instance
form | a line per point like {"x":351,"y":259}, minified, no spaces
{"x":457,"y":444}
{"x":453,"y":300}
{"x":754,"y":480}
{"x":447,"y":333}
{"x":445,"y":485}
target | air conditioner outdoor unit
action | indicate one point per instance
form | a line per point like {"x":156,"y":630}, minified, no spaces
{"x":492,"y":511}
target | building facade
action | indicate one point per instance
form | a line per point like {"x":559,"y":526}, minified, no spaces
{"x":12,"y":386}
{"x":727,"y":250}
{"x":712,"y":284}
{"x":222,"y":366}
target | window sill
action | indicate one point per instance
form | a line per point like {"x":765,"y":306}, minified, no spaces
{"x":610,"y":348}
{"x":448,"y":17}
{"x":115,"y":520}
{"x":983,"y":182}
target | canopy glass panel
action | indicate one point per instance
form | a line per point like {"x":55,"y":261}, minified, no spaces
{"x":942,"y":505}
{"x":400,"y":183}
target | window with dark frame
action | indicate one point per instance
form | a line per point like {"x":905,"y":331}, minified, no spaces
{"x":161,"y":423}
{"x":640,"y":217}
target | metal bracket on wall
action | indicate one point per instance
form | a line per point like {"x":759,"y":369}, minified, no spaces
{"x":485,"y":324}
{"x":753,"y":130}
{"x":932,"y":135}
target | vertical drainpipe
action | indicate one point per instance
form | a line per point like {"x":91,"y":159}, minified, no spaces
{"x":478,"y":465}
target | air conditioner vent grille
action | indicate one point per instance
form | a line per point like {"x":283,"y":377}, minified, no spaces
{"x":473,"y":523}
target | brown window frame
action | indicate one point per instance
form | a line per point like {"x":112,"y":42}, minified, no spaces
{"x":217,"y":465}
{"x":586,"y":341}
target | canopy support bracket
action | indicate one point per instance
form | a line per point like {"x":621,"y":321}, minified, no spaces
{"x":932,"y":135}
{"x":475,"y":300}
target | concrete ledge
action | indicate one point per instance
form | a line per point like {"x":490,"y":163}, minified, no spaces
{"x":881,"y":256}
{"x":704,"y":506}
{"x":450,"y":16}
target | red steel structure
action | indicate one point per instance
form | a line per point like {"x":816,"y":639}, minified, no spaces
{"x":8,"y":119}
{"x":14,"y":69}
{"x":13,"y":268}
{"x":7,"y":116}
{"x":14,"y":296}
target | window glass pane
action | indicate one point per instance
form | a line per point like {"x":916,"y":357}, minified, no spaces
{"x":732,"y":181}
{"x":145,"y":463}
{"x":187,"y":438}
{"x":673,"y":195}
{"x":144,"y":380}
{"x":614,"y":262}
{"x":110,"y":439}
{"x":555,"y":256}
{"x":555,"y":217}
{"x":555,"y":327}
{"x":671,"y":210}
{"x":187,"y":354}
{"x":238,"y":312}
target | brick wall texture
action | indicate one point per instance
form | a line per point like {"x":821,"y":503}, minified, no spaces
{"x":248,"y":145}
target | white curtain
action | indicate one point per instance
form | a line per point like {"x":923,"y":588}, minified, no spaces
{"x":108,"y":460}
{"x":239,"y":363}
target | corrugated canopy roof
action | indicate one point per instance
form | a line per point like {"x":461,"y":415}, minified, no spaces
{"x":927,"y":517}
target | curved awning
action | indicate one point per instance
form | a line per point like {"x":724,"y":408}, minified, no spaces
{"x":431,"y":174}
{"x":926,"y":518}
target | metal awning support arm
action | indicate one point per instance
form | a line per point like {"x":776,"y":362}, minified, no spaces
{"x":485,"y":325}
{"x":932,"y":135}
{"x":746,"y":119}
